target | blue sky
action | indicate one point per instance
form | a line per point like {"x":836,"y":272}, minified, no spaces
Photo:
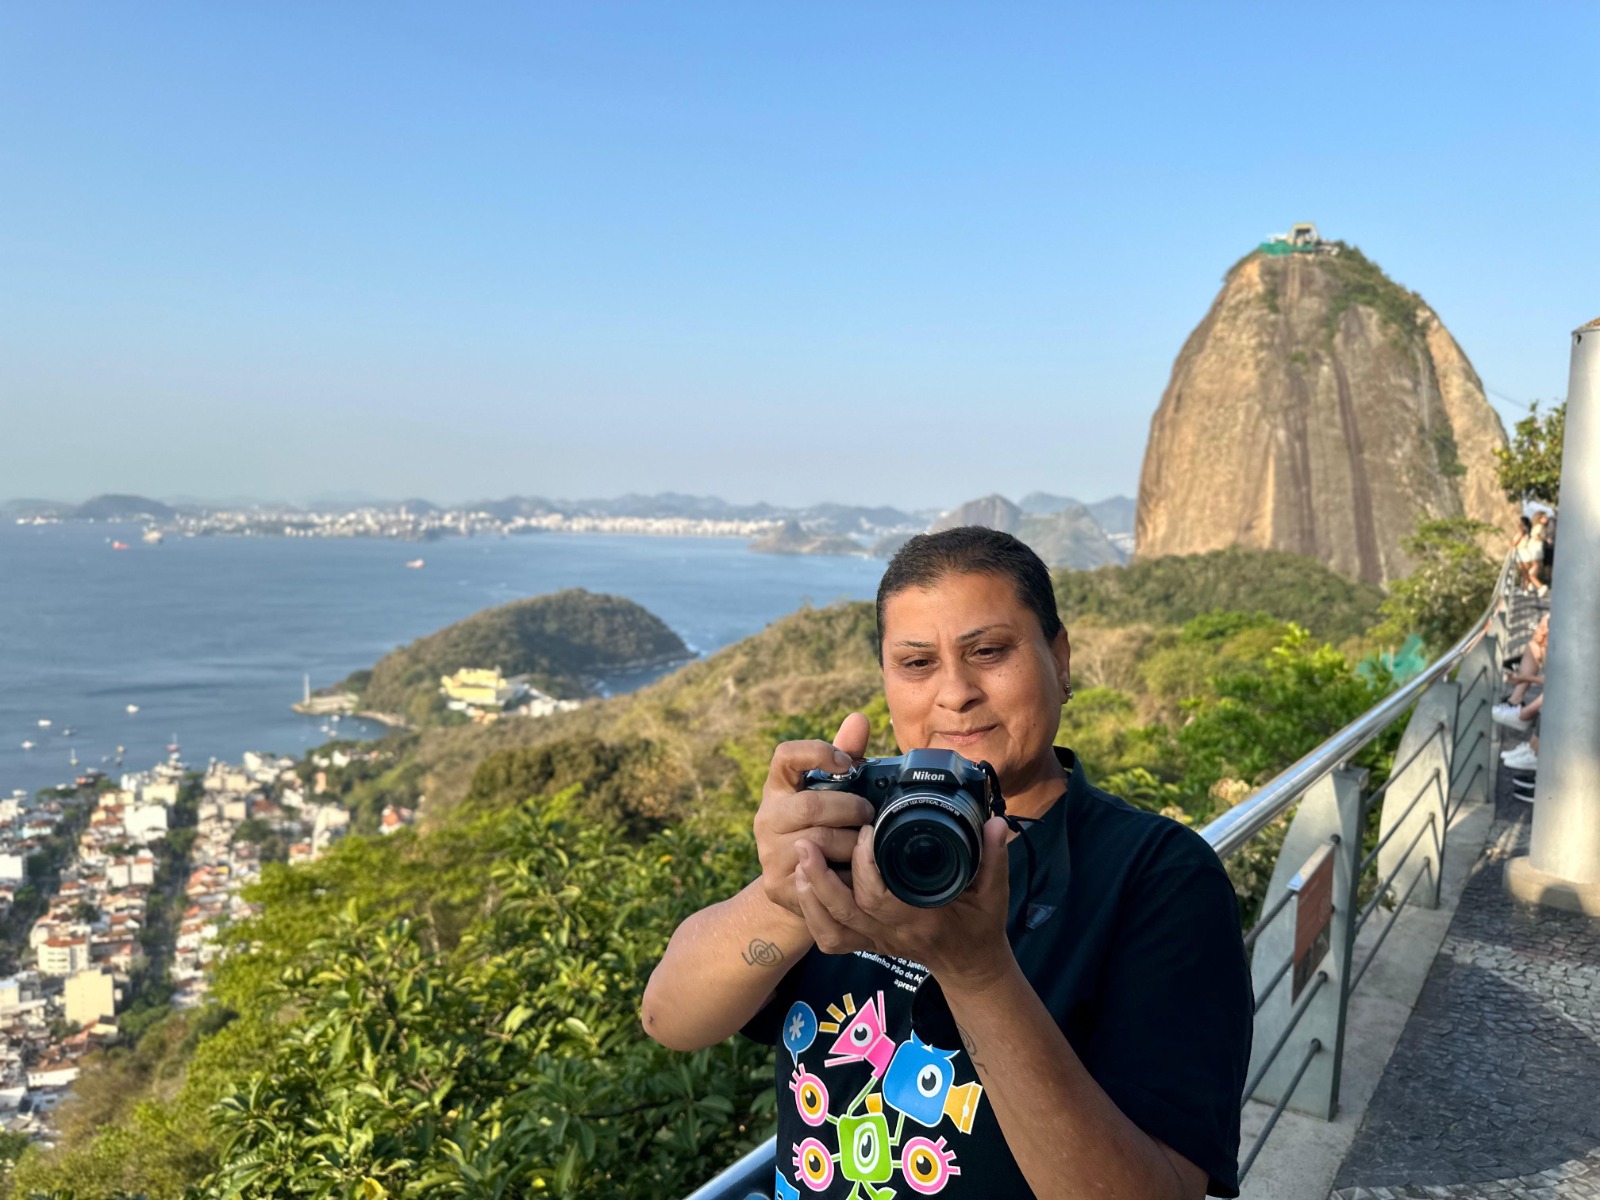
{"x":887,"y":253}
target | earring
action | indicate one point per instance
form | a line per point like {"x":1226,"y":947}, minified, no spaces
{"x":1069,"y":695}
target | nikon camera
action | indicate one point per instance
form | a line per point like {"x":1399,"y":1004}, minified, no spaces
{"x":930,"y":806}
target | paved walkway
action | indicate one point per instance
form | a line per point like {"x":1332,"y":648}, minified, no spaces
{"x":1494,"y":1087}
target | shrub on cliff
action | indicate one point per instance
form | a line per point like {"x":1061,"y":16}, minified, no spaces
{"x":1531,"y":468}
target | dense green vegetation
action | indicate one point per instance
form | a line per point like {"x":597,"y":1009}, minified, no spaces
{"x":1450,"y":586}
{"x":454,"y":1011}
{"x":1178,"y":588}
{"x":562,"y":641}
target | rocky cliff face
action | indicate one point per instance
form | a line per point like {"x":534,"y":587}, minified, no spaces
{"x":1320,"y":409}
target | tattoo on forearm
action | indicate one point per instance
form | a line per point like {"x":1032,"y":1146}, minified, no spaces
{"x":762,"y":954}
{"x":969,"y":1045}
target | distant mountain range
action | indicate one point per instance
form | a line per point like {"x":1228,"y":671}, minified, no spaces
{"x":1065,"y":532}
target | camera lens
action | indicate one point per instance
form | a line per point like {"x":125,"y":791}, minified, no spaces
{"x":926,"y":855}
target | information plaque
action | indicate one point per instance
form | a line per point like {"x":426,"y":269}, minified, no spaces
{"x":1313,"y":915}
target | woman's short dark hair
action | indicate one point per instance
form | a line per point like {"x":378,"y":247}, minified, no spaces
{"x":971,"y":550}
{"x":1527,"y":525}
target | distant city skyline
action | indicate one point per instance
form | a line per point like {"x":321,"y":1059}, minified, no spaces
{"x":358,"y":499}
{"x":897,"y":254}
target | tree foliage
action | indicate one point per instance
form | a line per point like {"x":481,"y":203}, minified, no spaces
{"x":1449,"y":589}
{"x":1530,"y":469}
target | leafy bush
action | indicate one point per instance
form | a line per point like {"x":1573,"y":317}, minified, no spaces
{"x":512,"y":1064}
{"x":1449,"y":589}
{"x":629,"y":785}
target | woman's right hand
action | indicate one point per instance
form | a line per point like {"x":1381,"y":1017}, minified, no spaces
{"x":789,"y":812}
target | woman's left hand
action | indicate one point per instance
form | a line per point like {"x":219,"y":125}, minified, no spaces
{"x":963,"y":943}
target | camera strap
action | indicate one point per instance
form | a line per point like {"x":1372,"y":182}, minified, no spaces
{"x":997,"y":806}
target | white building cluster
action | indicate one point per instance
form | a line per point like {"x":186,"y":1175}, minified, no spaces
{"x":87,"y":942}
{"x":83,"y":955}
{"x":430,"y":524}
{"x":261,"y":789}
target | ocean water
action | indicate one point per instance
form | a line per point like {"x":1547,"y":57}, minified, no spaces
{"x":211,"y":637}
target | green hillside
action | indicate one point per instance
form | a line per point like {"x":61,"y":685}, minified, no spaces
{"x":700,"y":724}
{"x":1178,"y":588}
{"x":563,"y":641}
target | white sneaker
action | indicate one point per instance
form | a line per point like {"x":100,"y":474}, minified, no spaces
{"x":1521,"y":759}
{"x":1509,"y":715}
{"x":1544,"y":590}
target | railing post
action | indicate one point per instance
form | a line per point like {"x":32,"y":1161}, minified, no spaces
{"x":1562,"y":868}
{"x":1479,"y":680}
{"x":1419,"y":797}
{"x":1329,"y":817}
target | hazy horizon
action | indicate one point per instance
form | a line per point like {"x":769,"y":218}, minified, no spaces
{"x":903,"y":255}
{"x":181,"y":499}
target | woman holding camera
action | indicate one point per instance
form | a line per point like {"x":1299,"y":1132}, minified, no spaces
{"x":1076,"y":1023}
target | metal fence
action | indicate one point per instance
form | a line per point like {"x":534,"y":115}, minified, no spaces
{"x":1327,"y":887}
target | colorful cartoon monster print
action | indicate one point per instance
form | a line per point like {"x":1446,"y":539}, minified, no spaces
{"x":863,"y":1039}
{"x":810,"y":1097}
{"x":919,"y":1084}
{"x":914,"y":1079}
{"x":927,"y":1165}
{"x":814,"y":1164}
{"x":864,"y":1150}
{"x":782,"y":1189}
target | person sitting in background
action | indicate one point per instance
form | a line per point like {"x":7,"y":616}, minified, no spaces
{"x":1522,"y":714}
{"x":1528,"y":672}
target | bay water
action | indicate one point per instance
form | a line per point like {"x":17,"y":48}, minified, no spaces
{"x":210,"y":637}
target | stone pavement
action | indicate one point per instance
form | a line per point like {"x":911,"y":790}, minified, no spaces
{"x":1494,"y":1087}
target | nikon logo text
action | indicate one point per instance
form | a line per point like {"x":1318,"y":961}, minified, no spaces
{"x":927,"y":777}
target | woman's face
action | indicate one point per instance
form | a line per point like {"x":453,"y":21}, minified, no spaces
{"x":966,"y":667}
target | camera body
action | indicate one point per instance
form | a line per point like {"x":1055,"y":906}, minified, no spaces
{"x":929,"y":807}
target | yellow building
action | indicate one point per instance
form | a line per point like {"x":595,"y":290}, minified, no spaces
{"x":90,"y":996}
{"x":477,"y":686}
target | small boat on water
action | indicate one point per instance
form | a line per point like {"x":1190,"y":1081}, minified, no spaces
{"x":44,"y":722}
{"x":66,"y":732}
{"x":416,"y":564}
{"x":119,"y":545}
{"x":27,"y":745}
{"x":132,"y":708}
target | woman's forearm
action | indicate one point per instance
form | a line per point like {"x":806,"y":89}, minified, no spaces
{"x":1069,"y":1138}
{"x":720,"y":966}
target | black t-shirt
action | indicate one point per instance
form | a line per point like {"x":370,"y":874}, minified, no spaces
{"x":1130,"y":938}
